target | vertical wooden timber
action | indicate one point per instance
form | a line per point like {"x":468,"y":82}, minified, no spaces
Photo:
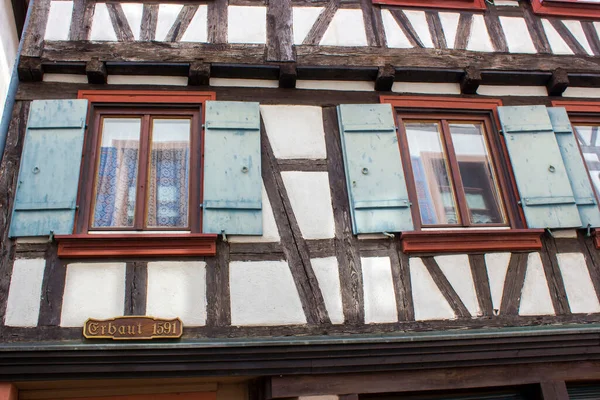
{"x":556,"y":285}
{"x":136,"y":288}
{"x":372,"y":26}
{"x":217,"y":21}
{"x":346,"y":243}
{"x":592,"y":36}
{"x":317,"y":31}
{"x":9,"y":170}
{"x":482,"y":284}
{"x":34,"y":37}
{"x":495,"y":31}
{"x":184,"y":18}
{"x":77,"y":29}
{"x":436,"y":29}
{"x":402,"y":283}
{"x":513,"y":284}
{"x":410,"y":32}
{"x":592,"y":259}
{"x":217,"y":283}
{"x":567,"y":36}
{"x":446,"y":288}
{"x":465,"y":23}
{"x":555,"y":390}
{"x":536,"y":29}
{"x":149,"y":21}
{"x":280,"y":39}
{"x":53,"y":287}
{"x":294,"y":246}
{"x":119,"y":22}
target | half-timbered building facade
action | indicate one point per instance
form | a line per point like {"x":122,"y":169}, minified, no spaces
{"x":338,"y":199}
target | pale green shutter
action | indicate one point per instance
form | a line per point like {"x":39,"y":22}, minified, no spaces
{"x":374,"y":174}
{"x":578,"y":175}
{"x":232,"y":169}
{"x":544,"y":187}
{"x":46,"y":195}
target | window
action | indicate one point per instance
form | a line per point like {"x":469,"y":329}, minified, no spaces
{"x":453,"y":180}
{"x":567,"y":8}
{"x":586,"y":131}
{"x":439,"y":4}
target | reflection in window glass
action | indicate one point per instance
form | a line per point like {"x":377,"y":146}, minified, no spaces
{"x":168,"y":180}
{"x":588,"y":138}
{"x":116,"y":178}
{"x":435,"y":193}
{"x":483,"y":199}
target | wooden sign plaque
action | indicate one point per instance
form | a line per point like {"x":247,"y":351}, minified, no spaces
{"x":133,"y":328}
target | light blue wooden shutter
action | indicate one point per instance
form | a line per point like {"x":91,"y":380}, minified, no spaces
{"x":544,"y":187}
{"x":232,"y":174}
{"x":578,"y":175}
{"x":376,"y":184}
{"x":49,"y":174}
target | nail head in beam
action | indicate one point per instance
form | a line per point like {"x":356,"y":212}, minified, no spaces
{"x":470,"y":81}
{"x":558,"y":83}
{"x":288,"y":76}
{"x":199,"y":74}
{"x":96,"y":71}
{"x":30,"y":69}
{"x":385,"y":78}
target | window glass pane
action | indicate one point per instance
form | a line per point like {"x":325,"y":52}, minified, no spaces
{"x":589,"y":140}
{"x":116,"y":177}
{"x":481,"y":190}
{"x":168,"y":178}
{"x":435,"y":193}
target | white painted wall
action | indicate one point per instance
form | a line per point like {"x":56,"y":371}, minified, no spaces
{"x":23,"y":304}
{"x":429,"y":302}
{"x":457,"y":270}
{"x":535,"y":296}
{"x":379,"y":295}
{"x":328,"y":276}
{"x":9,"y":43}
{"x":497,"y":266}
{"x":578,"y":284}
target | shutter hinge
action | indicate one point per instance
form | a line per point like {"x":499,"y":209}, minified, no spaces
{"x":51,"y":237}
{"x":389,"y":235}
{"x":224,"y":236}
{"x":588,"y":230}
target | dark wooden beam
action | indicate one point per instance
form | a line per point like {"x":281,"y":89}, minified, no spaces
{"x":436,"y":29}
{"x":149,"y":21}
{"x":77,"y":29}
{"x":513,"y":284}
{"x":592,"y":36}
{"x":567,"y":36}
{"x":119,"y":22}
{"x":280,"y":40}
{"x":288,"y":76}
{"x":406,"y":26}
{"x":385,"y":78}
{"x":463,"y":33}
{"x":482,"y":284}
{"x":199,"y":74}
{"x":217,"y":21}
{"x":554,"y":390}
{"x":320,"y":26}
{"x":558,"y":83}
{"x":184,"y":18}
{"x":446,"y":288}
{"x":34,"y":37}
{"x":495,"y":31}
{"x":96,"y":71}
{"x":30,"y":69}
{"x":470,"y":81}
{"x":136,"y":288}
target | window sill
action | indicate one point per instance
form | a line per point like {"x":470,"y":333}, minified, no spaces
{"x":471,"y":240}
{"x":149,"y":245}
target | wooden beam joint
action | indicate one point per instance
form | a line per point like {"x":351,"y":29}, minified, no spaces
{"x":558,"y":83}
{"x":30,"y":69}
{"x":96,"y":71}
{"x":199,"y":74}
{"x":470,"y":81}
{"x":385,"y":78}
{"x":288,"y":75}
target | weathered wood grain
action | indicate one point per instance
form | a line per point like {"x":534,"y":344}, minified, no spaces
{"x":446,"y":288}
{"x":199,"y":74}
{"x":556,"y":285}
{"x":77,"y":28}
{"x":119,"y":22}
{"x":372,"y":28}
{"x":149,"y":21}
{"x":320,"y":26}
{"x":495,"y":31}
{"x":463,"y":33}
{"x":471,"y":80}
{"x":280,"y":38}
{"x":385,"y":78}
{"x":53,"y":287}
{"x":558,"y":83}
{"x":33,"y":41}
{"x":402,"y":283}
{"x":592,"y":36}
{"x":184,"y":18}
{"x":96,"y":71}
{"x":482,"y":284}
{"x":346,"y":244}
{"x":554,"y":390}
{"x":302,"y":165}
{"x":288,"y":75}
{"x":536,"y":29}
{"x":136,"y":288}
{"x":407,"y":28}
{"x":567,"y":36}
{"x":513,"y":284}
{"x":217,"y":283}
{"x":436,"y":30}
{"x":592,"y":260}
{"x":217,"y":21}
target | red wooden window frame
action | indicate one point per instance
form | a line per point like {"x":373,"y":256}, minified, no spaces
{"x":470,"y":239}
{"x":445,"y":4}
{"x":566,"y":8}
{"x":118,"y":244}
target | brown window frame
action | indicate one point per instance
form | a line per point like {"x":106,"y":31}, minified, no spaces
{"x":566,"y":8}
{"x":126,"y":242}
{"x":477,"y":5}
{"x":449,"y":239}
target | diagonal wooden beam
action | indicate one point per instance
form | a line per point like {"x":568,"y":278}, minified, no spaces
{"x":436,"y":29}
{"x":119,"y":22}
{"x":592,"y":36}
{"x":567,"y":36}
{"x":482,"y":284}
{"x":315,"y":35}
{"x":446,"y":288}
{"x":495,"y":31}
{"x":181,"y":23}
{"x":465,"y":23}
{"x":513,"y":284}
{"x":407,"y":28}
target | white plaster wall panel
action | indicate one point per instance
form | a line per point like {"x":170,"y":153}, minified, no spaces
{"x":133,"y":13}
{"x":557,"y":44}
{"x":500,"y":90}
{"x":517,"y":35}
{"x":295,"y":131}
{"x":378,"y":287}
{"x":270,"y":231}
{"x":59,"y":20}
{"x":147,"y":80}
{"x":535,"y":296}
{"x":429,"y":302}
{"x":102,"y":29}
{"x":328,"y":276}
{"x":177,"y":289}
{"x":564,"y":233}
{"x":65,"y":78}
{"x":264,"y":293}
{"x":496,"y":265}
{"x":450,"y":26}
{"x":572,"y":91}
{"x":23,"y":304}
{"x":578,"y":283}
{"x":457,"y":270}
{"x":247,"y":24}
{"x":233,"y":82}
{"x":577,"y":30}
{"x":360,"y":86}
{"x":167,"y":15}
{"x":347,"y":28}
{"x":310,"y":197}
{"x":394,"y":35}
{"x":303,"y":19}
{"x":597,"y":26}
{"x":480,"y":38}
{"x":419,"y":23}
{"x":424,"y":87}
{"x":93,"y":290}
{"x":197,"y":30}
